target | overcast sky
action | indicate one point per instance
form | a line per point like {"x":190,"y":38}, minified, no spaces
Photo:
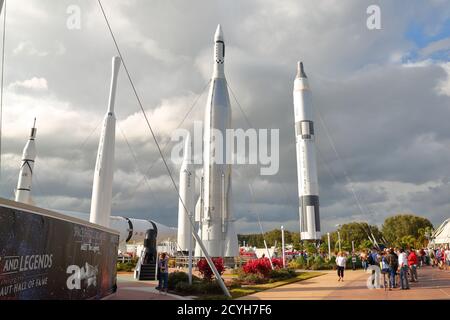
{"x":384,"y":96}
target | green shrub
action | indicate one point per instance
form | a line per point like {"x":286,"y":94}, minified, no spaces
{"x":301,"y":262}
{"x":177,"y":277}
{"x":127,"y":266}
{"x":185,"y":287}
{"x":281,"y":274}
{"x":309,"y":261}
{"x":252,"y":278}
{"x":294,"y":265}
{"x":319,"y":260}
{"x":236,"y":283}
{"x":205,"y":287}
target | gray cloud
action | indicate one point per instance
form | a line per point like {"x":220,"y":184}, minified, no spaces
{"x":387,"y":117}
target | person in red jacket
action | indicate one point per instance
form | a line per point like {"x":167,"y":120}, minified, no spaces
{"x":412,"y":263}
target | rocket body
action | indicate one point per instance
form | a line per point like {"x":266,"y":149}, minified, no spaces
{"x":216,"y":222}
{"x":104,"y":167}
{"x":187,"y":194}
{"x":308,"y":187}
{"x":23,"y":191}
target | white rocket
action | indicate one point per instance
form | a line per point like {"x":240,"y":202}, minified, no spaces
{"x":130,"y":230}
{"x":104,"y":167}
{"x":308,"y":187}
{"x":187,"y":195}
{"x":23,"y":191}
{"x":216,"y":223}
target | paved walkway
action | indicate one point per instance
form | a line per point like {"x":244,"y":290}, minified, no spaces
{"x":130,"y":289}
{"x":433,"y":284}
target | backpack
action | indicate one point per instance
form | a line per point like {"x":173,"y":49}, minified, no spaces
{"x":370,"y":259}
{"x":384,"y":264}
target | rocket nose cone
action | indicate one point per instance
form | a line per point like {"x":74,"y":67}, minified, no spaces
{"x":218,"y":36}
{"x":300,"y":71}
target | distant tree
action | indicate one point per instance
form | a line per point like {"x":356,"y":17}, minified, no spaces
{"x":422,"y":239}
{"x":397,"y":227}
{"x":359,"y":232}
{"x":271,"y":237}
{"x":310,"y":248}
{"x":407,"y":242}
{"x":295,"y":238}
{"x":365,"y":244}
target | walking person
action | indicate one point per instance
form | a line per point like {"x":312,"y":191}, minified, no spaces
{"x":363,"y":257}
{"x":403,"y":268}
{"x":447,"y":258}
{"x":163,"y":272}
{"x":384,"y":266}
{"x":354,"y":262}
{"x":412,"y":264}
{"x":340,"y":262}
{"x":423,"y":258}
{"x":432,"y":258}
{"x":392,"y":261}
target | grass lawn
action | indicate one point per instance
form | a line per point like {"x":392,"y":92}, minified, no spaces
{"x":250,"y":289}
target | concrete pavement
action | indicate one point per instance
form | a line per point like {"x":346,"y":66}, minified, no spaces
{"x":130,"y":289}
{"x":433,"y":284}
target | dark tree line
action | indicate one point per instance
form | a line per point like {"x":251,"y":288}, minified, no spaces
{"x":403,"y":230}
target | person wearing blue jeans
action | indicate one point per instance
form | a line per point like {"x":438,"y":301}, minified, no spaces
{"x":392,"y":272}
{"x":163,"y":272}
{"x":392,"y":261}
{"x":404,"y":278}
{"x":403,"y":266}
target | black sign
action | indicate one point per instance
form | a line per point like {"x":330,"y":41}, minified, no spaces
{"x":46,"y":257}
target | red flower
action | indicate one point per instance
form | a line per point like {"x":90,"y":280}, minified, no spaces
{"x":205,"y":270}
{"x":262,"y":266}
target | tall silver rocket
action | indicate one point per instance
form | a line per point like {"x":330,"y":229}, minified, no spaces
{"x":308,"y":186}
{"x":187,"y":195}
{"x":104,"y":167}
{"x":216,"y":222}
{"x":23,"y":191}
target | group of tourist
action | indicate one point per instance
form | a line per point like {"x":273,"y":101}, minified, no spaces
{"x":439,"y":257}
{"x":398,"y":264}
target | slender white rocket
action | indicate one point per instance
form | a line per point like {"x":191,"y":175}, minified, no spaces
{"x":217,"y":225}
{"x":308,"y":187}
{"x":104,"y":167}
{"x":23,"y":191}
{"x":187,"y":193}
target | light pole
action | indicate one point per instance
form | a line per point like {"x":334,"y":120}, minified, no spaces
{"x":329,"y":246}
{"x":282,"y":246}
{"x":339,"y":236}
{"x":353,"y":246}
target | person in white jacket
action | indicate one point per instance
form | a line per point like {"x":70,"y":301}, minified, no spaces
{"x":340,"y":262}
{"x":403,"y":268}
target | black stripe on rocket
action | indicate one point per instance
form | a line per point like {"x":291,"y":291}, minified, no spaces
{"x":305,"y":129}
{"x":305,"y":202}
{"x":220,"y":44}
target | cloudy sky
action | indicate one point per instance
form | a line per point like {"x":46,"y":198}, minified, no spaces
{"x":383,"y":96}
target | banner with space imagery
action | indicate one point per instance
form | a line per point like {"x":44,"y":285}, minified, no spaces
{"x":49,"y":257}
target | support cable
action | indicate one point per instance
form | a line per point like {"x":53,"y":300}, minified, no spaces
{"x":187,"y":213}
